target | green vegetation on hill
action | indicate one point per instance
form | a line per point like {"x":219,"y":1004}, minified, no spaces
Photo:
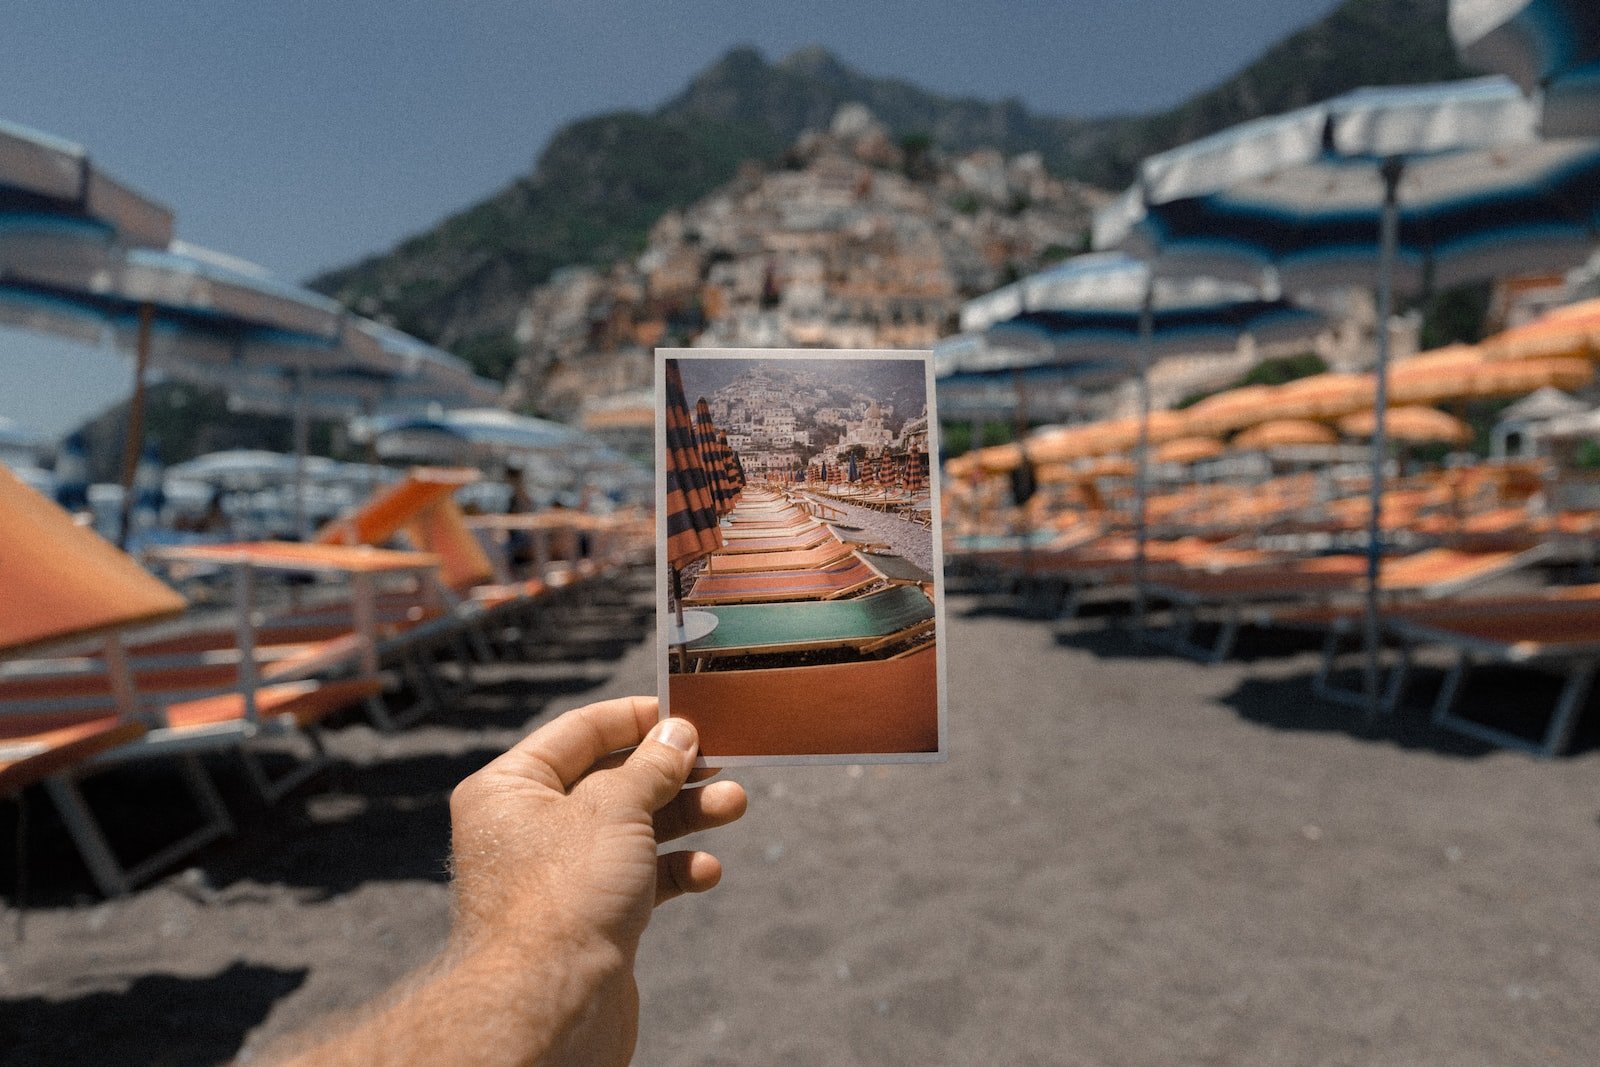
{"x":602,"y":182}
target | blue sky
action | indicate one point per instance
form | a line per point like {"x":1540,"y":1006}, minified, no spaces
{"x":304,"y":134}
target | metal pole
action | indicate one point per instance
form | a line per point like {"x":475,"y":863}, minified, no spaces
{"x":1024,"y":524}
{"x":302,"y":444}
{"x":1388,"y":237}
{"x":1141,"y":483}
{"x":133,"y":443}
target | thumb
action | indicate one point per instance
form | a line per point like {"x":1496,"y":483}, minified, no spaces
{"x":658,"y":768}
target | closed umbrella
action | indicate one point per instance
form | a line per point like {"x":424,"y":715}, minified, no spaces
{"x":693,"y":526}
{"x":1284,"y":433}
{"x":1412,"y":424}
{"x":711,"y":459}
{"x":1185,"y":450}
{"x":1551,"y":48}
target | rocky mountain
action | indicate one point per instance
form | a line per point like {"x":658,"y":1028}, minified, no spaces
{"x":602,"y":182}
{"x":851,"y":241}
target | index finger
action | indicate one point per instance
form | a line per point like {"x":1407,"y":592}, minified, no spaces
{"x":565,"y":748}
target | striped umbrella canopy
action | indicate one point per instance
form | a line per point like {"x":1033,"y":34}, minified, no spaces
{"x":1551,"y":48}
{"x":44,"y":175}
{"x":735,"y":468}
{"x":693,"y":529}
{"x":916,"y":473}
{"x":1472,"y":191}
{"x":1092,"y":308}
{"x":711,"y":457}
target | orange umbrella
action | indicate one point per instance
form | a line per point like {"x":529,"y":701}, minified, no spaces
{"x":1416,"y":425}
{"x":1233,"y":409}
{"x":1570,"y":331}
{"x":1188,"y":450}
{"x":1279,"y":433}
{"x":1486,"y":380}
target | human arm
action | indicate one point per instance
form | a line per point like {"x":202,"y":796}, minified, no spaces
{"x":556,"y":871}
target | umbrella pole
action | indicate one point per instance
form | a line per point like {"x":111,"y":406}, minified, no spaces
{"x":1388,"y":238}
{"x":1142,"y":455}
{"x":1020,"y":414}
{"x":133,"y":443}
{"x":302,"y":435}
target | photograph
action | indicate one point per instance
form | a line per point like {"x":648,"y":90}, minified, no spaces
{"x":799,"y":573}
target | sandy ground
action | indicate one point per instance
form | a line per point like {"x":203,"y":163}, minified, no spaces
{"x":1130,"y":859}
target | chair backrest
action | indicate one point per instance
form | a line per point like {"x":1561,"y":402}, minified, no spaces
{"x":59,"y":580}
{"x":391,"y":508}
{"x":442,"y":529}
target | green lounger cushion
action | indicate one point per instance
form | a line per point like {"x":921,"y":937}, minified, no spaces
{"x":769,"y":627}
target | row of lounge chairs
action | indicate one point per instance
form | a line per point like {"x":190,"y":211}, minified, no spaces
{"x":841,"y":628}
{"x":103,"y":663}
{"x":1461,"y":530}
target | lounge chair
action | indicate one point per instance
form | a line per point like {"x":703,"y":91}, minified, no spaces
{"x":867,"y":625}
{"x":783,"y":542}
{"x":78,"y":588}
{"x":1556,"y":631}
{"x":873,"y":706}
{"x":849,"y":575}
{"x":1250,"y":595}
{"x":829,"y":552}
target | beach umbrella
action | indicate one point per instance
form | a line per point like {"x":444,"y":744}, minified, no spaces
{"x":442,"y":436}
{"x":1185,"y":450}
{"x":1111,"y":305}
{"x":735,"y":469}
{"x":711,"y":458}
{"x":855,"y":472}
{"x":692,"y":522}
{"x":1568,"y":331}
{"x":1396,"y":188}
{"x":1282,"y":433}
{"x":1413,"y":424}
{"x":1551,"y":48}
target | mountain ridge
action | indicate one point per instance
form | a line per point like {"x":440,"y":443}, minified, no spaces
{"x":602,"y":181}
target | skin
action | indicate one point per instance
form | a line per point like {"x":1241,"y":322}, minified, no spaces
{"x":556,"y":873}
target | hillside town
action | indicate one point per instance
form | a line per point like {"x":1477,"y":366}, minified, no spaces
{"x":782,"y":421}
{"x":854,"y":241}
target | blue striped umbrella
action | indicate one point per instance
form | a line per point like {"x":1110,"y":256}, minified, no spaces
{"x":1551,"y":48}
{"x":1397,"y":188}
{"x":1094,"y":313}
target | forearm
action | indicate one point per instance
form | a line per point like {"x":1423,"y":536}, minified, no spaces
{"x":482,"y":1005}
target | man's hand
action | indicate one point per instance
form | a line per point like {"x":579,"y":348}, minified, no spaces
{"x":556,"y":872}
{"x":556,"y":840}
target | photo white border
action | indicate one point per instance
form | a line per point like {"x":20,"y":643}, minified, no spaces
{"x":942,"y":682}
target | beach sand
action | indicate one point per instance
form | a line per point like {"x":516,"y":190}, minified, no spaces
{"x":1129,"y":859}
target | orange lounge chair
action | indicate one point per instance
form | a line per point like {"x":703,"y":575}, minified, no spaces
{"x":1246,"y":595}
{"x":831,"y":551}
{"x":785,"y":542}
{"x":1556,"y":631}
{"x":841,"y":579}
{"x":871,"y":707}
{"x":77,"y":587}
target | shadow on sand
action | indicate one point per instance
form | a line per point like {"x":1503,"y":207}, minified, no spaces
{"x":156,"y":1020}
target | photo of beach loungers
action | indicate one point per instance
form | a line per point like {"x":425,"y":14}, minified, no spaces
{"x":799,"y":576}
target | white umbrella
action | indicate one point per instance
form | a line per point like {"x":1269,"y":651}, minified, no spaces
{"x":1551,"y":48}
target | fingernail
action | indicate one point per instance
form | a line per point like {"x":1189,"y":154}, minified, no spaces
{"x":675,"y":733}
